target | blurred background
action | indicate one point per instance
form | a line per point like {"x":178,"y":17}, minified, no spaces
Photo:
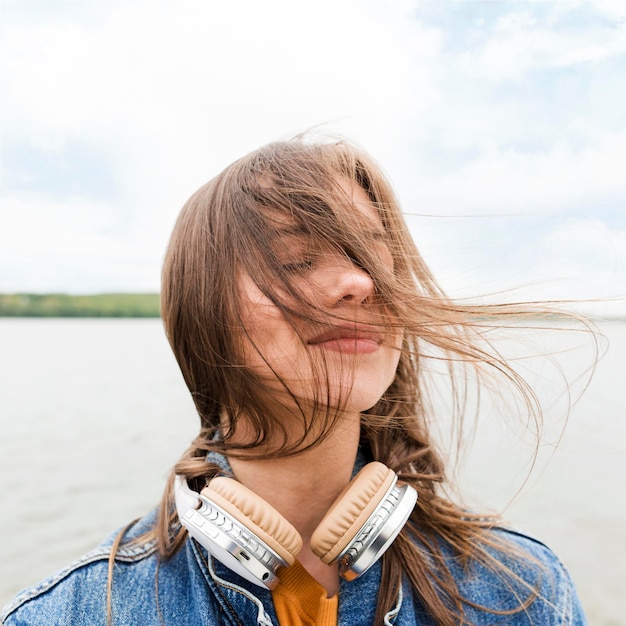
{"x":502,"y":127}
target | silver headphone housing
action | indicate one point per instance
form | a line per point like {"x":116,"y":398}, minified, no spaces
{"x":227,"y":539}
{"x":378,"y":532}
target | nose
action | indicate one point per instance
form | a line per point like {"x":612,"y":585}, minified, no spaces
{"x":349,"y":285}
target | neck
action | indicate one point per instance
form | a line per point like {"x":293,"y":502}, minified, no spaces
{"x":303,"y":487}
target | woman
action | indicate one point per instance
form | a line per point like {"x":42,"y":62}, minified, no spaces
{"x":303,"y":320}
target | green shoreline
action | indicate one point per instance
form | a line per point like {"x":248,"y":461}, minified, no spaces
{"x":141,"y":305}
{"x":66,"y":305}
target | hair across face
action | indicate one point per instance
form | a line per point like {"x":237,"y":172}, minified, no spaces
{"x":290,"y":245}
{"x":325,"y":337}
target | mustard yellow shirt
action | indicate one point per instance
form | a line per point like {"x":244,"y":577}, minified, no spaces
{"x":299,"y":600}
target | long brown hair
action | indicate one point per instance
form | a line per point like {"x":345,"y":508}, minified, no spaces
{"x":229,"y":226}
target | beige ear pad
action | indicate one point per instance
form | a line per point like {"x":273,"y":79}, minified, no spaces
{"x":256,"y":515}
{"x":351,"y":510}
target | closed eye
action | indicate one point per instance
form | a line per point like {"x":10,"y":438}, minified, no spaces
{"x":298,"y":266}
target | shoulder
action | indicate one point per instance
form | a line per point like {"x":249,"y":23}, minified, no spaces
{"x":518,"y":568}
{"x":533,"y":560}
{"x":80,"y":589}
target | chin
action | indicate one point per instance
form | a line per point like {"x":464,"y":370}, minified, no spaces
{"x":358,"y":400}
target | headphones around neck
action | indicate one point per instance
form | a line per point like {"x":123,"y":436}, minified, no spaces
{"x":251,"y":538}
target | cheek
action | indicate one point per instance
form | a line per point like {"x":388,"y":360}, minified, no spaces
{"x":260,"y":334}
{"x":269,"y":345}
{"x":256,"y":312}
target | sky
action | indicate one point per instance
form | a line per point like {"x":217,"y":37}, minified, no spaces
{"x":502,"y":126}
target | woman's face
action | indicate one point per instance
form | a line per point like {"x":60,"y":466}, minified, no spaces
{"x":354,"y":355}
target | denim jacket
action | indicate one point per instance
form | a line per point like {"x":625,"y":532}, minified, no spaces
{"x":193,"y":589}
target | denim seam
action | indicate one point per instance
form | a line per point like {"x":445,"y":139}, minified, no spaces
{"x":101,"y":554}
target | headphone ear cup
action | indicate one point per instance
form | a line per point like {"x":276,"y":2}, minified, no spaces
{"x":351,"y":510}
{"x":256,"y":515}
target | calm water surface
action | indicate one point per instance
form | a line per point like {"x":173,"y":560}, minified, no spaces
{"x":94,"y":413}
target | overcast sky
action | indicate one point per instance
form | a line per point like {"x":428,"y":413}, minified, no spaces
{"x":501,"y":124}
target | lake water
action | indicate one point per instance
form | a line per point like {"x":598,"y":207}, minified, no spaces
{"x":94,"y":413}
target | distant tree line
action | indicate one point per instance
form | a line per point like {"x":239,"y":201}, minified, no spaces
{"x":66,"y":305}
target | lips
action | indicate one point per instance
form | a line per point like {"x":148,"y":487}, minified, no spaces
{"x":355,"y":339}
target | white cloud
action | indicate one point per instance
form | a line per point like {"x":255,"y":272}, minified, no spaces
{"x":517,"y":47}
{"x":74,"y":245}
{"x":524,"y":39}
{"x":612,"y":9}
{"x":189,"y":86}
{"x":201,"y":65}
{"x":588,"y":252}
{"x":502,"y":181}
